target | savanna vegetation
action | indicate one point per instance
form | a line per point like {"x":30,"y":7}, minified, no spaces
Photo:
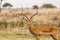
{"x":14,"y":27}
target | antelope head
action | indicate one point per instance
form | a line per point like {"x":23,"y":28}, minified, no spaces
{"x":28,"y":20}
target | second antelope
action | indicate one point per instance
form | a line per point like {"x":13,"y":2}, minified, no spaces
{"x":38,"y":30}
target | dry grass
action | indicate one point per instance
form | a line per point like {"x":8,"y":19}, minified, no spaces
{"x":22,"y":37}
{"x":45,"y":15}
{"x":14,"y":29}
{"x":21,"y":33}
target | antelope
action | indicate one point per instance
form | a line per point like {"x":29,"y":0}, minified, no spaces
{"x":41,"y":30}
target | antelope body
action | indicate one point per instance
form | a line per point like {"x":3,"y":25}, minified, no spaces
{"x":45,"y":30}
{"x":37,"y":30}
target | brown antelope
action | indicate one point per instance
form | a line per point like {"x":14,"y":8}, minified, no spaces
{"x":38,"y":30}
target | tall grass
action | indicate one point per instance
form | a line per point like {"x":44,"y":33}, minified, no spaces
{"x":12,"y":26}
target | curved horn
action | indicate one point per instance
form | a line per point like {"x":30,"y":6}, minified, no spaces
{"x":24,"y":16}
{"x":34,"y":14}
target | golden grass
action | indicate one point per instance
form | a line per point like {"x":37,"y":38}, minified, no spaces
{"x":16,"y":32}
{"x":21,"y":33}
{"x":22,"y":37}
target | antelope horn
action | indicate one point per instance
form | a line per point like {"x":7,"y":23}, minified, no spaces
{"x":24,"y":16}
{"x":33,"y":15}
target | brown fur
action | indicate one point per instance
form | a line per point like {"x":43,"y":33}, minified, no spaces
{"x":45,"y":30}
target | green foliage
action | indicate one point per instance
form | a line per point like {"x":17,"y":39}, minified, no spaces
{"x":7,"y":5}
{"x":48,"y":6}
{"x":35,"y":7}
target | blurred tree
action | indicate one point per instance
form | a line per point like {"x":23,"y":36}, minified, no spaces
{"x":0,"y":4}
{"x":48,"y":6}
{"x":7,"y":5}
{"x":35,"y":7}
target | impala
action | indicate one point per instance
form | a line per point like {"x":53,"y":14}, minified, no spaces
{"x":44,"y":30}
